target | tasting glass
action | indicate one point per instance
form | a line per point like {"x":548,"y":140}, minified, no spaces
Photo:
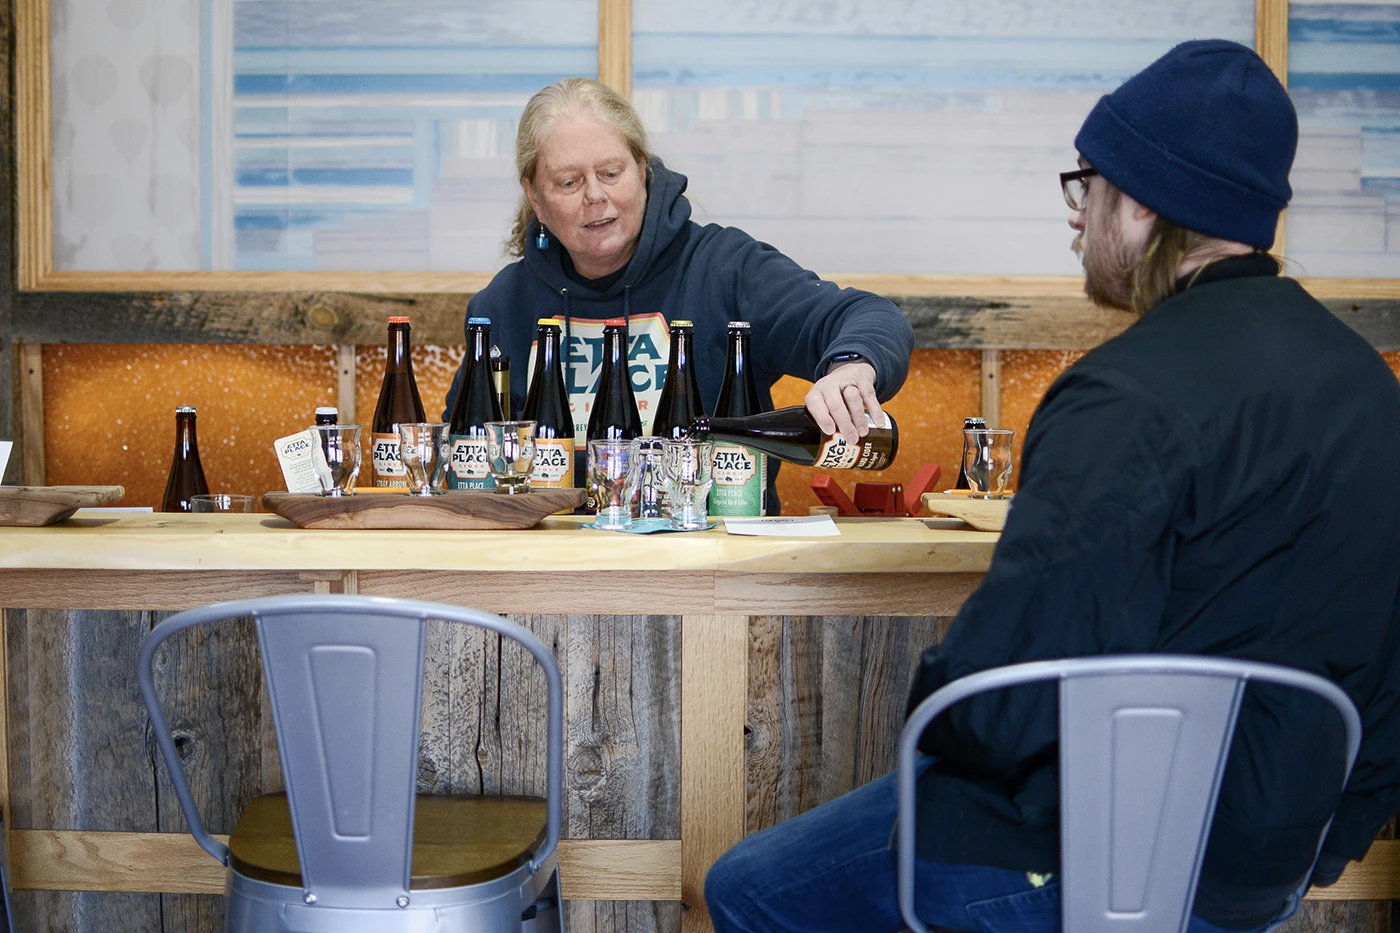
{"x":988,"y":461}
{"x":650,"y":454}
{"x":690,"y":465}
{"x":424,"y":450}
{"x":612,"y":482}
{"x":220,"y":502}
{"x":339,"y":463}
{"x":510,"y":454}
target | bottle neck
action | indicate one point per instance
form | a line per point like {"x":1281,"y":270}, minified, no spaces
{"x":186,"y":440}
{"x":481,"y":345}
{"x":400,"y":359}
{"x":615,"y":353}
{"x":546,"y":352}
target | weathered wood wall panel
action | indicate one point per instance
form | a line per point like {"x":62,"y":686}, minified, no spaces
{"x":1016,"y":322}
{"x":826,"y":702}
{"x":78,"y":752}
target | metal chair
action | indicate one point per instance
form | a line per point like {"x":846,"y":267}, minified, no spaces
{"x":350,"y":846}
{"x":1142,"y":749}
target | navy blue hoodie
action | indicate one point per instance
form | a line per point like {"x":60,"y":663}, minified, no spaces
{"x":709,"y":275}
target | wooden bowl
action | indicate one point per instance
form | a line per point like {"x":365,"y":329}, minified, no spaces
{"x":33,"y":506}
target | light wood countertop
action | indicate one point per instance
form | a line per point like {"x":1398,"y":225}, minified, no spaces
{"x":178,"y":542}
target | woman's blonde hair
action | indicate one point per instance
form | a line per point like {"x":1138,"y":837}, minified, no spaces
{"x":551,"y":105}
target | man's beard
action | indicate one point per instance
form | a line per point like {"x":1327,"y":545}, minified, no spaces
{"x":1108,"y":265}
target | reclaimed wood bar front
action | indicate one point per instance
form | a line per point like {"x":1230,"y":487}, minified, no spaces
{"x":715,"y":685}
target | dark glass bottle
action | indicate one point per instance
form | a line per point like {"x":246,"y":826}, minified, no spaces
{"x":399,"y":402}
{"x":680,"y":402}
{"x":741,"y":473}
{"x":327,"y":415}
{"x":477,"y":403}
{"x":614,"y":414}
{"x":969,"y":424}
{"x":500,"y":378}
{"x":792,"y":434}
{"x":186,"y":472}
{"x":547,"y":404}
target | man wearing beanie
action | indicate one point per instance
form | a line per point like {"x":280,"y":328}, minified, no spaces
{"x":1194,"y":486}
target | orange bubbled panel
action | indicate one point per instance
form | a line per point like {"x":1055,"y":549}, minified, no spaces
{"x":109,"y":412}
{"x":943,"y":388}
{"x":433,"y":369}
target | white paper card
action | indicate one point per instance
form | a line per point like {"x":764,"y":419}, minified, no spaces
{"x":303,"y":462}
{"x":795,"y":526}
{"x":4,"y":457}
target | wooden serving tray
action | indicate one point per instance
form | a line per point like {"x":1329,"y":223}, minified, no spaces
{"x":32,"y":506}
{"x":982,"y":514}
{"x":473,"y":510}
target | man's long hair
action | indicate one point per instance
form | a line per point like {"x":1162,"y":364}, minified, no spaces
{"x":1139,"y":284}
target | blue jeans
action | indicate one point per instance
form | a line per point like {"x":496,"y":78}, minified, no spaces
{"x":832,"y":870}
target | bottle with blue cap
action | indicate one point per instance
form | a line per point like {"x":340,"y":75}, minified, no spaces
{"x":477,"y":404}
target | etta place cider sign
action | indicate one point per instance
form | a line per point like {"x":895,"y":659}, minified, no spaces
{"x":648,"y":350}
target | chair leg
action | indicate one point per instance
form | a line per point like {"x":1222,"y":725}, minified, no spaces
{"x":545,"y":915}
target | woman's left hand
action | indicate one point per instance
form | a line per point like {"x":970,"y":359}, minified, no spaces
{"x":840,"y":400}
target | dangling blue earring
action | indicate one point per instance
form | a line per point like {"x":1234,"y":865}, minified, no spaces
{"x":542,"y":238}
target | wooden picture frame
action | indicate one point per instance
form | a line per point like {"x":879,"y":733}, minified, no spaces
{"x":35,"y":271}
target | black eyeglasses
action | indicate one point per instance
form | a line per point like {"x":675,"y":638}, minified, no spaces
{"x":1075,"y":185}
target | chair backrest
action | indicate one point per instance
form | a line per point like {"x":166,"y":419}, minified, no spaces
{"x":1143,"y":745}
{"x":345,"y":676}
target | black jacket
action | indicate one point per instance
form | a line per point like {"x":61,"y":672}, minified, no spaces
{"x":1220,"y":479}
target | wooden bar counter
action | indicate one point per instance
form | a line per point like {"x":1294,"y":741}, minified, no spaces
{"x":714,"y":684}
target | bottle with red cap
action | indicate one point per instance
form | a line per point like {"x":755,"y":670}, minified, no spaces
{"x":399,"y":402}
{"x":614,"y":413}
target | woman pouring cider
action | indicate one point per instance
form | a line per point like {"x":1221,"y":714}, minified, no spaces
{"x":603,"y":231}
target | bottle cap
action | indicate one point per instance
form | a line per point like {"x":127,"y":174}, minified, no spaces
{"x":550,"y":322}
{"x":738,"y":325}
{"x":327,"y":410}
{"x":478,"y":321}
{"x":398,"y":320}
{"x":615,"y":322}
{"x":675,"y":324}
{"x":185,"y":410}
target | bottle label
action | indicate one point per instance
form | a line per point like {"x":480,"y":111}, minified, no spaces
{"x":388,"y":466}
{"x":469,"y":469}
{"x":554,"y":463}
{"x":872,"y":453}
{"x":741,"y":473}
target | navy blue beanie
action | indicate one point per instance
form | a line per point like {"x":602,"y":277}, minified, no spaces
{"x":1204,"y":136}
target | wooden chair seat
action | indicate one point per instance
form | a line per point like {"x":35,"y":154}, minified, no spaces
{"x":456,"y":840}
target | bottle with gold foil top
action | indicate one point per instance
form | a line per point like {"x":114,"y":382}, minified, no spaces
{"x":680,"y":402}
{"x":500,"y":378}
{"x":547,"y":404}
{"x":186,"y":472}
{"x":477,"y":403}
{"x":741,"y":472}
{"x":399,"y":402}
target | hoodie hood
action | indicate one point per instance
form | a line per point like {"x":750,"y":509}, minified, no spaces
{"x":667,"y":217}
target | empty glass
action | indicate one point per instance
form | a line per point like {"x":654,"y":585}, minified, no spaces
{"x":510,"y":454}
{"x":988,"y":461}
{"x":650,"y":454}
{"x":612,"y":482}
{"x":220,"y":502}
{"x":690,"y":467}
{"x":424,"y":449}
{"x":339,"y":463}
